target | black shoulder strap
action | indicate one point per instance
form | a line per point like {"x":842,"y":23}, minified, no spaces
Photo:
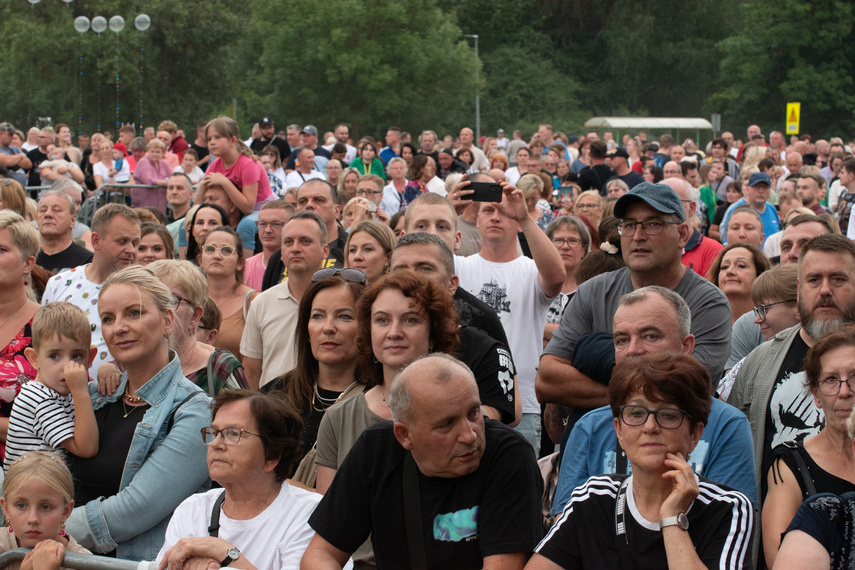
{"x":171,"y":419}
{"x":214,"y":529}
{"x":413,"y":514}
{"x":802,"y":466}
{"x":620,"y":459}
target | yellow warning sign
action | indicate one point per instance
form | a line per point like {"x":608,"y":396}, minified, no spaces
{"x":794,"y":111}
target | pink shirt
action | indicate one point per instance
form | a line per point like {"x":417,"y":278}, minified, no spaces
{"x":253,"y":273}
{"x":243,"y":172}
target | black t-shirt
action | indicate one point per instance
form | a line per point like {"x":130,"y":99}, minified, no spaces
{"x":823,"y":481}
{"x":275,"y":272}
{"x":593,"y":177}
{"x":790,"y":412}
{"x":101,"y":475}
{"x":476,"y":313}
{"x":632,"y":178}
{"x":585,"y":536}
{"x":281,"y":145}
{"x":37,"y":157}
{"x":72,"y":256}
{"x":830,"y":520}
{"x":495,"y":510}
{"x":202,"y":151}
{"x":318,"y":150}
{"x":491,"y":363}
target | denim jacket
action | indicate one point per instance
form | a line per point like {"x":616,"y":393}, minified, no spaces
{"x":161,"y":469}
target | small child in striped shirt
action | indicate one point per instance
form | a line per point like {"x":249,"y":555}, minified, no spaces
{"x":55,"y":409}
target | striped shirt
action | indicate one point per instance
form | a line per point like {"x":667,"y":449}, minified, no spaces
{"x":41,"y":419}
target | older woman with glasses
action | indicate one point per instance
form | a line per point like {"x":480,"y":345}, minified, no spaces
{"x":589,"y":205}
{"x":822,"y":463}
{"x":662,"y":515}
{"x":257,"y":520}
{"x":222,"y":260}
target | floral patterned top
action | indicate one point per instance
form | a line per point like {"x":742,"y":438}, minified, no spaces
{"x":15,"y":371}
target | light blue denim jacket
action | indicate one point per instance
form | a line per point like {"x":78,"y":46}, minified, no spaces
{"x":161,"y":469}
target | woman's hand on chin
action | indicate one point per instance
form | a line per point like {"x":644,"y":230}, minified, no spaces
{"x":684,"y":489}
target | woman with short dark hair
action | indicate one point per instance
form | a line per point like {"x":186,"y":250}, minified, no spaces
{"x":258,"y":519}
{"x":662,"y":515}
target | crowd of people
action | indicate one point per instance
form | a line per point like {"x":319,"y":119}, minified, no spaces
{"x":561,"y":352}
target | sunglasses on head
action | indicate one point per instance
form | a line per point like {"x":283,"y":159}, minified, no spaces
{"x":353,"y":275}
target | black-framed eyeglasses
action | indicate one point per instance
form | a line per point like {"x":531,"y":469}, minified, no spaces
{"x":179,"y":299}
{"x":760,"y":310}
{"x":352,"y":275}
{"x":649,"y":227}
{"x":831,"y":386}
{"x":362,"y":192}
{"x":667,"y":418}
{"x":231,"y":435}
{"x":571,"y":242}
{"x":225,"y":250}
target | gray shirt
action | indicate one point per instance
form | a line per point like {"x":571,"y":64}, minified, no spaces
{"x":746,"y":337}
{"x":593,"y":306}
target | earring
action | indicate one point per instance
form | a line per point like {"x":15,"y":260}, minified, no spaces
{"x":375,"y":360}
{"x":688,"y":458}
{"x":62,"y":528}
{"x":26,"y":282}
{"x":10,"y":528}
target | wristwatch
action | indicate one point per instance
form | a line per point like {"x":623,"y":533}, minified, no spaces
{"x":680,"y":520}
{"x":233,"y":554}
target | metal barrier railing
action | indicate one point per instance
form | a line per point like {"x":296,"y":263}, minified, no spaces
{"x":103,"y":196}
{"x":78,"y":561}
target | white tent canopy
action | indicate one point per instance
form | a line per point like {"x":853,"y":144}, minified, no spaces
{"x":648,"y":123}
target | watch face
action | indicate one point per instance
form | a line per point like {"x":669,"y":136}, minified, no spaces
{"x":234,"y":553}
{"x":683,"y":521}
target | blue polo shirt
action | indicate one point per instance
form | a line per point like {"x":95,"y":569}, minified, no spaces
{"x":771,"y":222}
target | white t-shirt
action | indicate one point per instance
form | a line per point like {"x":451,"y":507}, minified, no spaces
{"x":41,"y":419}
{"x":124,"y":175}
{"x":513,"y":175}
{"x":273,"y":540}
{"x":296,"y":178}
{"x":391,"y":201}
{"x":511,"y":289}
{"x":195,"y":175}
{"x":73,"y":286}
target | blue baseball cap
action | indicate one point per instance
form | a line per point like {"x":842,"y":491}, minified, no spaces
{"x":660,"y":197}
{"x":759,"y":178}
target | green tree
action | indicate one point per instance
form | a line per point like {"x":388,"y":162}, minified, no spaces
{"x":182,"y":67}
{"x":371,"y":63}
{"x":790,"y":51}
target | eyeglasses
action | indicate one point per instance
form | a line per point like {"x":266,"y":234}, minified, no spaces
{"x":179,"y":299}
{"x":231,"y":435}
{"x":760,"y":310}
{"x":361,"y":192}
{"x":590,"y":206}
{"x":225,"y":250}
{"x":667,"y":418}
{"x":649,"y":227}
{"x":831,"y":386}
{"x":571,"y":242}
{"x":352,"y":275}
{"x":275,"y":225}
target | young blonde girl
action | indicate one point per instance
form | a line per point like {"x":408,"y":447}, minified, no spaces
{"x":237,"y":170}
{"x":36,"y":501}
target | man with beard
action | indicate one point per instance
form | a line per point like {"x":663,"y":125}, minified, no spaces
{"x":770,"y":388}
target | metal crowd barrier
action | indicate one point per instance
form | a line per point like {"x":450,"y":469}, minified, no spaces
{"x":78,"y":561}
{"x":104,"y":195}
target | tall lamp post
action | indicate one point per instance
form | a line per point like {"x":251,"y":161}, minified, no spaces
{"x":477,"y":94}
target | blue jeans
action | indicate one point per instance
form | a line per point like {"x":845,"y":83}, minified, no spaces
{"x":529,"y":427}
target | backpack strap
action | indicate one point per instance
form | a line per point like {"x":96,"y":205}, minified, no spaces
{"x":171,"y":419}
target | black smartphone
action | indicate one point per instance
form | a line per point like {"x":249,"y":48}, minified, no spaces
{"x":484,"y":192}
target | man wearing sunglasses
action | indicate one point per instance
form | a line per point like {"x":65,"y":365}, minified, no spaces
{"x":654,"y":320}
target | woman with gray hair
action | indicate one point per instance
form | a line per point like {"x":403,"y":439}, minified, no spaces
{"x":571,"y":238}
{"x":532,"y":188}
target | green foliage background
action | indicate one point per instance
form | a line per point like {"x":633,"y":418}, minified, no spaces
{"x":373,"y":63}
